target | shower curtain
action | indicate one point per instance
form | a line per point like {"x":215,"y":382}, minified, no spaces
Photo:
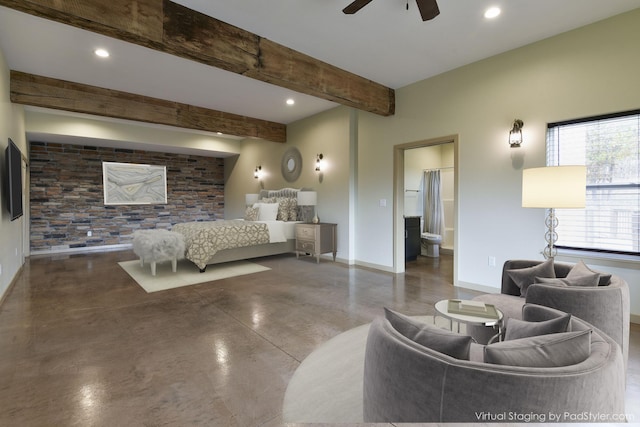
{"x":431,"y":198}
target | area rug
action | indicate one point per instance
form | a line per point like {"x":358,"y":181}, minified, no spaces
{"x":187,"y":273}
{"x":327,"y":386}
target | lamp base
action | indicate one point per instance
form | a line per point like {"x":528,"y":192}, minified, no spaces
{"x":315,"y":219}
{"x":551,"y":237}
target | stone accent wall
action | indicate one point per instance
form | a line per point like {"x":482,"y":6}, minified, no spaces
{"x":67,"y":198}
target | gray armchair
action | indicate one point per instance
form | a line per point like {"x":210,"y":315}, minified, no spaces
{"x":407,"y":382}
{"x":605,"y":306}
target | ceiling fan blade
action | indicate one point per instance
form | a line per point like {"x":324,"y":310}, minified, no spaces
{"x":428,"y":9}
{"x":356,"y":6}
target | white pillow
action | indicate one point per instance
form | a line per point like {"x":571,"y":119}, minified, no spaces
{"x":268,"y":211}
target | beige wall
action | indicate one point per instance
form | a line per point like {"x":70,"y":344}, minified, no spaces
{"x":327,"y":133}
{"x":589,"y":71}
{"x":12,"y":240}
{"x":415,"y":161}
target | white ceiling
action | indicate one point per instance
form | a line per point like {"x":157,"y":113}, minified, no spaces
{"x":383,"y":42}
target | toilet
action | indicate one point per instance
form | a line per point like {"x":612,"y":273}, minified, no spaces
{"x":430,"y":245}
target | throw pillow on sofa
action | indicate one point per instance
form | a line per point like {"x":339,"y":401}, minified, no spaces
{"x":583,"y":281}
{"x":440,"y":340}
{"x":544,"y":351}
{"x":516,"y":328}
{"x":580,"y":271}
{"x":523,"y":277}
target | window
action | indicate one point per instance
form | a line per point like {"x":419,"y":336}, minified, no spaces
{"x":610,"y":148}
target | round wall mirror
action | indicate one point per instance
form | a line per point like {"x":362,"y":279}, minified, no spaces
{"x":291,"y":164}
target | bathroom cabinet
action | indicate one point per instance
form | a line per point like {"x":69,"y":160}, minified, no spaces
{"x":411,"y":237}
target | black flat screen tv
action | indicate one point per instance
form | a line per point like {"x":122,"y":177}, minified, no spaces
{"x":13,"y":180}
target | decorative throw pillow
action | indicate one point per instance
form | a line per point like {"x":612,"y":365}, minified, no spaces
{"x":566,"y":281}
{"x":558,"y":281}
{"x":251,"y":213}
{"x":580,"y":271}
{"x":516,"y":328}
{"x":287,"y":209}
{"x":293,"y":209}
{"x":523,"y":277}
{"x":440,"y":340}
{"x":268,"y":211}
{"x":283,"y":209}
{"x":544,"y":351}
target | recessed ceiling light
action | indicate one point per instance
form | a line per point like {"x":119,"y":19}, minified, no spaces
{"x":102,"y":53}
{"x":492,"y":12}
{"x":290,"y":101}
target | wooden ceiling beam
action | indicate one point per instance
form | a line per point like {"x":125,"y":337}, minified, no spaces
{"x":171,"y":28}
{"x":29,"y":89}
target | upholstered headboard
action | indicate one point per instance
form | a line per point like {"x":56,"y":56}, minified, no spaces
{"x":283,"y":192}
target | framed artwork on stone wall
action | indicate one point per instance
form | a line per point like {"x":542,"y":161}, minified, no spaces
{"x":134,"y":184}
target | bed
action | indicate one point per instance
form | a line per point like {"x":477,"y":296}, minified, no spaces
{"x":256,"y":235}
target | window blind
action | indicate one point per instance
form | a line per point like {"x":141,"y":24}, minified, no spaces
{"x":610,"y":148}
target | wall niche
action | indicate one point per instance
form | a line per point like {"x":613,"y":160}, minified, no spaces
{"x":67,"y":204}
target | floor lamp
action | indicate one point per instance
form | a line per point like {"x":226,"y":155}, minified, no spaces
{"x":554,"y":187}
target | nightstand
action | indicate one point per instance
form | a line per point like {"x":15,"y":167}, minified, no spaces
{"x":316,"y":239}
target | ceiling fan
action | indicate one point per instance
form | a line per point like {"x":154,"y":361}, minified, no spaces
{"x":428,"y":8}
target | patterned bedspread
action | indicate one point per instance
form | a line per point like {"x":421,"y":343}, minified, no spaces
{"x":203,"y":239}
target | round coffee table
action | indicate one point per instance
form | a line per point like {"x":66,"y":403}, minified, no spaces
{"x":442,"y":307}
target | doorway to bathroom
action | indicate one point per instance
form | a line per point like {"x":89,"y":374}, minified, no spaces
{"x":416,"y":165}
{"x":429,"y":194}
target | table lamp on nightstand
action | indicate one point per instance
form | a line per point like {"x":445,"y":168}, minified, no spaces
{"x":309,"y":198}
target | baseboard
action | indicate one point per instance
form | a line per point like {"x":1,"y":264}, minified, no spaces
{"x":476,"y":287}
{"x":374,"y":266}
{"x":11,"y":285}
{"x":635,"y":318}
{"x":82,"y":250}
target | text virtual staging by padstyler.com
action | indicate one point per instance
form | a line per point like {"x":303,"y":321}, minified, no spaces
{"x":562,"y":417}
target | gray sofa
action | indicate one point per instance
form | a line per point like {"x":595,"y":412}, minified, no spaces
{"x":407,"y":382}
{"x":605,"y":306}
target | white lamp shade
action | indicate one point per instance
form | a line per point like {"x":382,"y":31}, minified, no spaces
{"x":307,"y":198}
{"x":250,"y":199}
{"x":554,"y":187}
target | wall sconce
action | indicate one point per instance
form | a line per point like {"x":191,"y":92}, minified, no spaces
{"x":515,"y":134}
{"x":257,"y":174}
{"x":319,"y":162}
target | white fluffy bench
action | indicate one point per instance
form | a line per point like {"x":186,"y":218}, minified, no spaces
{"x":158,"y":245}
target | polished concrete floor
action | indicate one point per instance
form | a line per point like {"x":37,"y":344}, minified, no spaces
{"x":82,"y":344}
